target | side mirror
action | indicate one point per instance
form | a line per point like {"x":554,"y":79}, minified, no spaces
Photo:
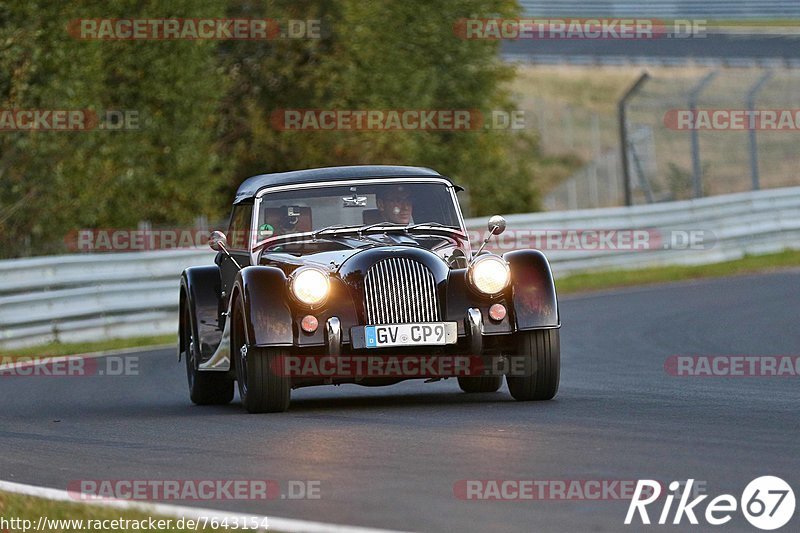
{"x":497,"y":225}
{"x":217,"y":241}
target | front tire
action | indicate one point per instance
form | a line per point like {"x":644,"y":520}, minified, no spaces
{"x":262,"y":388}
{"x":541,"y":364}
{"x":205,"y":388}
{"x":482,"y":384}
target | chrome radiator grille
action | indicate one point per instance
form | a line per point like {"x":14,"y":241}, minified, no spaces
{"x":398,"y":291}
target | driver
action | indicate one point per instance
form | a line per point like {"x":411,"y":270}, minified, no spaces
{"x":394,"y":204}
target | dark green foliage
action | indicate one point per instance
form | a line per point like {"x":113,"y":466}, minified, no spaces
{"x":204,"y":109}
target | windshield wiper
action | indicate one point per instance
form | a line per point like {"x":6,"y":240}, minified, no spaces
{"x":433,"y":225}
{"x":354,"y":228}
{"x":394,"y":225}
{"x":390,"y":226}
{"x":407,"y":228}
{"x":334,"y":227}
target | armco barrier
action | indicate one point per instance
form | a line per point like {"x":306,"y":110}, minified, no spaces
{"x":665,"y":9}
{"x":86,"y":297}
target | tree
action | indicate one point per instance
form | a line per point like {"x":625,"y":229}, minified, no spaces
{"x":379,"y":55}
{"x":166,"y":171}
{"x":204,"y":109}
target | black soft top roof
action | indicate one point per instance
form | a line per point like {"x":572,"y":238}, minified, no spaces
{"x":250,"y":187}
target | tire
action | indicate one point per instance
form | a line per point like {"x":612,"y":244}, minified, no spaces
{"x":541,"y":353}
{"x":205,"y":388}
{"x":261,"y":389}
{"x":483,"y":384}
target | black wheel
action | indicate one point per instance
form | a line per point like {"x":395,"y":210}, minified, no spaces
{"x":261,"y":387}
{"x":482,"y":384}
{"x":541,"y":360}
{"x":205,"y":388}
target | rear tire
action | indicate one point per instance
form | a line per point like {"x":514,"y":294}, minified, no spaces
{"x":541,"y":354}
{"x":261,"y":387}
{"x":205,"y":388}
{"x":482,"y":384}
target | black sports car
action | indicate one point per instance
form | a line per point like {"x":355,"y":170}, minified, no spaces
{"x":326,"y":275}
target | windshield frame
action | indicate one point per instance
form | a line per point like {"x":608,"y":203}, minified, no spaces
{"x":255,"y":244}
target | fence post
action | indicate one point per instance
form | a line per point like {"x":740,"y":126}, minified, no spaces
{"x":697,"y":170}
{"x":612,"y":165}
{"x":146,"y":228}
{"x":572,"y":194}
{"x":569,"y":135}
{"x":594,"y":195}
{"x":623,"y":135}
{"x":751,"y":106}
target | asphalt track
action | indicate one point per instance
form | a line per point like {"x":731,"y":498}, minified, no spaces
{"x":389,"y":457}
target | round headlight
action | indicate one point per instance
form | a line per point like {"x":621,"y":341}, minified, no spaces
{"x":489,"y":275}
{"x":309,"y":286}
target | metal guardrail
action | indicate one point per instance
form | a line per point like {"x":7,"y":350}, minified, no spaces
{"x":742,"y":223}
{"x":74,"y":298}
{"x":87,"y":297}
{"x":711,"y":9}
{"x":634,"y":60}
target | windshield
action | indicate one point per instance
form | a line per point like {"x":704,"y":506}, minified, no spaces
{"x":314,"y":209}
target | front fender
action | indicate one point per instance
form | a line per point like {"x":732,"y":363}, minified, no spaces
{"x":533,"y":290}
{"x":261,"y":291}
{"x":201,"y":289}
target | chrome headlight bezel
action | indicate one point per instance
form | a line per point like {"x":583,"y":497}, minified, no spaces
{"x":488,"y":261}
{"x":302,"y":273}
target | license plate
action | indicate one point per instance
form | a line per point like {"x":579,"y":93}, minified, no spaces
{"x":425,"y":334}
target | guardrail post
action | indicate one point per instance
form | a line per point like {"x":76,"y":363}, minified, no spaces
{"x":623,"y":135}
{"x":54,"y":325}
{"x":694,"y":95}
{"x":751,"y":106}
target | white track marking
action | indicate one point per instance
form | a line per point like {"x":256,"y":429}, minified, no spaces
{"x":288,"y":525}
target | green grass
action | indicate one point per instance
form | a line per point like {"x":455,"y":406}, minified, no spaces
{"x":627,"y":278}
{"x":58,"y":348}
{"x":29,"y":508}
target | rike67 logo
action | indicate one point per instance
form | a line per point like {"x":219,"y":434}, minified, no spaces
{"x":767,"y":502}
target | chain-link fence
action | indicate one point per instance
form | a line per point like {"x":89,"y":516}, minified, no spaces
{"x":694,"y":133}
{"x":598,"y":184}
